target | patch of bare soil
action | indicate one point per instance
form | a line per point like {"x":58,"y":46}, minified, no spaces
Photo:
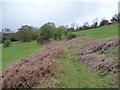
{"x":94,"y":53}
{"x":31,"y":70}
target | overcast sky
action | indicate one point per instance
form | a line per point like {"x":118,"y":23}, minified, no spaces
{"x":36,"y":13}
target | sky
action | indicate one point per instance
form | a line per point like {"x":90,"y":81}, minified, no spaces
{"x":15,"y":13}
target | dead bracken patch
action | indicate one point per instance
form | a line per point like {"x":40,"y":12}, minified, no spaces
{"x":31,"y":70}
{"x":79,"y":38}
{"x":94,"y":52}
{"x":96,"y":45}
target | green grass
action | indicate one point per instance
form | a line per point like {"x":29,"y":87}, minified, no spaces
{"x":101,"y":32}
{"x":79,"y":75}
{"x":18,"y":50}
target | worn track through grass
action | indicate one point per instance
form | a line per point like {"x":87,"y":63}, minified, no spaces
{"x":80,"y":75}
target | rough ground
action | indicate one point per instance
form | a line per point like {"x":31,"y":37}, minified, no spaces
{"x":31,"y":70}
{"x":94,"y":52}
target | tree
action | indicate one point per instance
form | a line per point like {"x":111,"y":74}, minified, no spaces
{"x":104,"y":22}
{"x":24,"y":33}
{"x":73,"y":26}
{"x":6,"y":30}
{"x":35,"y":35}
{"x":45,"y":33}
{"x":77,"y":29}
{"x":51,"y":24}
{"x":59,"y":32}
{"x":86,"y":26}
{"x":13,"y":37}
{"x":70,"y":29}
{"x":6,"y":34}
{"x":80,"y":28}
{"x":95,"y":23}
{"x":115,"y":18}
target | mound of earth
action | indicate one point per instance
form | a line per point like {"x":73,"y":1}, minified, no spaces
{"x":31,"y":70}
{"x":94,"y":52}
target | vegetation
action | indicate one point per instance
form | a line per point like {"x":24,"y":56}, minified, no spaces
{"x":104,"y":22}
{"x":50,"y":31}
{"x":24,"y":33}
{"x":17,"y":51}
{"x":45,"y":33}
{"x":70,"y":36}
{"x":76,"y":73}
{"x":80,"y":75}
{"x":115,"y":18}
{"x":6,"y":43}
{"x":101,"y":32}
{"x":59,"y":32}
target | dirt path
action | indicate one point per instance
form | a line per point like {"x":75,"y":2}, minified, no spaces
{"x":31,"y":70}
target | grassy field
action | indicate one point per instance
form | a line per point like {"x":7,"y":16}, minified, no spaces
{"x":17,"y":51}
{"x":102,"y":32}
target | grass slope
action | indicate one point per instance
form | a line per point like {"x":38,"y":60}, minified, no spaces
{"x":101,"y":32}
{"x":17,"y":51}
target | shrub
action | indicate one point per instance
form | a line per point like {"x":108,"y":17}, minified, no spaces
{"x":6,"y":43}
{"x":58,"y":33}
{"x":70,"y":36}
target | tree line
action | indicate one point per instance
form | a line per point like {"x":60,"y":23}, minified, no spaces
{"x":49,"y":31}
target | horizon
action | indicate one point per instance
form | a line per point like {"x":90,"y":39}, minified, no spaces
{"x":17,"y":14}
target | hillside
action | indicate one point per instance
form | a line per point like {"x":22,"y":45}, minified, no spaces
{"x":87,"y":61}
{"x":101,"y":32}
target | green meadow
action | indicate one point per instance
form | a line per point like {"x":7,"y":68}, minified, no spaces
{"x":101,"y":32}
{"x":18,"y":50}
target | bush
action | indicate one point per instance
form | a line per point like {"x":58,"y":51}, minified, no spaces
{"x":58,"y":33}
{"x":70,"y":36}
{"x":7,"y":43}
